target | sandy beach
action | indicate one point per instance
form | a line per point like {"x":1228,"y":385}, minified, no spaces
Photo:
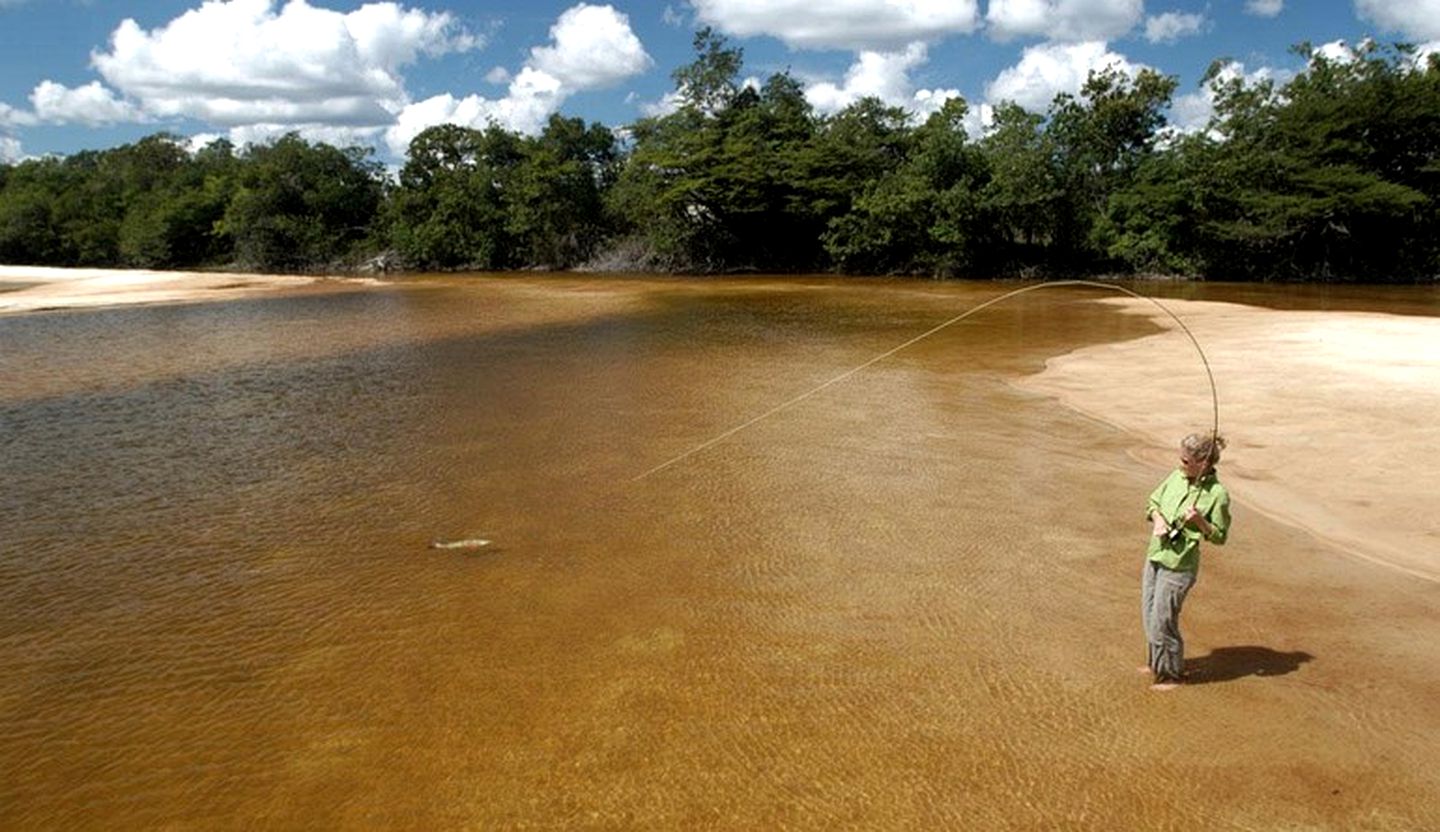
{"x":1330,"y":415}
{"x":35,"y":288}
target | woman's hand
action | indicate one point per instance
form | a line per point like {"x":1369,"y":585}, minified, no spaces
{"x":1158,"y":526}
{"x":1193,"y":517}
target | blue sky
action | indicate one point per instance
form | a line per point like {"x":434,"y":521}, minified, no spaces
{"x":91,"y":74}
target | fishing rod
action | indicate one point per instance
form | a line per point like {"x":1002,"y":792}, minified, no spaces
{"x":1210,"y":376}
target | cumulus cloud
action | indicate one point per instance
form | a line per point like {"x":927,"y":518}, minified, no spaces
{"x":262,"y":69}
{"x":1336,"y":52}
{"x":91,"y":105}
{"x":924,"y":103}
{"x":1264,"y":8}
{"x":10,"y":151}
{"x":1063,"y":20}
{"x":667,"y":104}
{"x":1049,"y":69}
{"x":1417,"y":19}
{"x":11,"y":117}
{"x":200,"y":141}
{"x":592,"y":47}
{"x":242,"y":62}
{"x":1191,"y":112}
{"x":882,"y":75}
{"x":859,"y":25}
{"x":1172,"y":26}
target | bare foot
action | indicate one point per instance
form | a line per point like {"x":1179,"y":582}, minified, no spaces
{"x":1144,"y":668}
{"x":1165,"y":686}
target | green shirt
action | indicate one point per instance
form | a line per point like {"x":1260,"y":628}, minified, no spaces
{"x":1172,"y":497}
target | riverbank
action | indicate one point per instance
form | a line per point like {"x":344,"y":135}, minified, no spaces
{"x":1330,"y":415}
{"x":37,"y":288}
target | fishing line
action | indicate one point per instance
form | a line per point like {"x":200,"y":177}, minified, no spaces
{"x":1214,"y":396}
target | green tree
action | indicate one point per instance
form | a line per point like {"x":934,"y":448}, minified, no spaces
{"x":922,"y":216}
{"x":554,"y":199}
{"x":173,"y":203}
{"x":29,"y":232}
{"x":1022,"y":198}
{"x":715,"y":184}
{"x":301,"y":206}
{"x":448,"y":210}
{"x":1333,"y":176}
{"x":1101,"y":138}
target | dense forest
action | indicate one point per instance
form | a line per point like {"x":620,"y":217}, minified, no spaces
{"x":1333,"y":175}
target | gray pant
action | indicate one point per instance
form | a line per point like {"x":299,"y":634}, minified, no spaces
{"x":1162,"y":592}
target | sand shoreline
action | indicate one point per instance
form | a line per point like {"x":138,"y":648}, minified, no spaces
{"x":1329,"y":415}
{"x":25,"y":289}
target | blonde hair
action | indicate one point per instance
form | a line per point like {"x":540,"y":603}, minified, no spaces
{"x":1204,"y":446}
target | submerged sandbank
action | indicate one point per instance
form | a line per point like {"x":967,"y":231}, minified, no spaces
{"x":1330,"y":415}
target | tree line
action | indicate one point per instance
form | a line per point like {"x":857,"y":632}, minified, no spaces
{"x":1332,"y":175}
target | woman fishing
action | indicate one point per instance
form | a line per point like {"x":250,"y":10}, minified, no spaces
{"x":1188,"y":506}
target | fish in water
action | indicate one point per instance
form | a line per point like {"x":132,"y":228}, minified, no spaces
{"x":467,"y":543}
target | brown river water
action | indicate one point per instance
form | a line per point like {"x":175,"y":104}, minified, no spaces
{"x":908,"y":601}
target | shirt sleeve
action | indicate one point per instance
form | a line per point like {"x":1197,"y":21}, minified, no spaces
{"x":1153,"y":504}
{"x":1219,"y":518}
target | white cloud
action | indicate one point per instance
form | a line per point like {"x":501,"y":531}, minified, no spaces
{"x":91,"y":105}
{"x":331,"y":134}
{"x":860,"y":25}
{"x":1264,"y":8}
{"x":1416,"y":19}
{"x":671,"y":17}
{"x":883,"y":75}
{"x":498,"y":75}
{"x":1191,"y":112}
{"x":532,"y":96}
{"x":668,"y":103}
{"x":592,"y":46}
{"x":924,"y":103}
{"x":10,"y":151}
{"x":978,"y":120}
{"x":1172,"y":26}
{"x":200,"y":141}
{"x":1063,"y":20}
{"x":241,"y":62}
{"x":1336,"y":52}
{"x":1052,"y":68}
{"x":11,"y":117}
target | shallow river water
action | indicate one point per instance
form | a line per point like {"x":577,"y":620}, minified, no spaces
{"x":908,"y":601}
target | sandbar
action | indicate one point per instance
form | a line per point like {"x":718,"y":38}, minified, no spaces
{"x":1330,"y":415}
{"x":38,"y":288}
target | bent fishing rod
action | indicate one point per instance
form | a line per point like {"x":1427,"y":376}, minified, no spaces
{"x":1210,"y":376}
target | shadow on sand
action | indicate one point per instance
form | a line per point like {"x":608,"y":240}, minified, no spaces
{"x":1226,"y":664}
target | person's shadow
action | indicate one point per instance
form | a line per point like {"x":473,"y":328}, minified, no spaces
{"x":1226,"y":664}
